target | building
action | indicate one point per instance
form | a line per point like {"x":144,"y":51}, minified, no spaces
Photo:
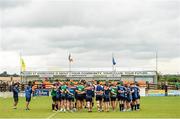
{"x":150,"y":76}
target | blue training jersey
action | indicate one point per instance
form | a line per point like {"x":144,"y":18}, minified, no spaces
{"x":15,"y":91}
{"x":106,"y":93}
{"x":128,"y":93}
{"x":89,"y":93}
{"x":99,"y":88}
{"x":71,"y":91}
{"x":121,"y":88}
{"x":58,"y":93}
{"x":28,"y":92}
{"x":135,"y":94}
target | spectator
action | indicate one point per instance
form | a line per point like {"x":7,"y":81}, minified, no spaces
{"x":166,"y":88}
{"x":177,"y":85}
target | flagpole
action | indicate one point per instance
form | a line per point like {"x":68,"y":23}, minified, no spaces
{"x":21,"y":67}
{"x":69,"y":68}
{"x":112,"y":66}
{"x":156,"y":61}
{"x":69,"y":58}
{"x":157,"y":66}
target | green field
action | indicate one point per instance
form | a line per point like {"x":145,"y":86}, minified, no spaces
{"x":151,"y":107}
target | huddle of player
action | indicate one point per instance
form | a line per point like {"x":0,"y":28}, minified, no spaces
{"x":68,"y":96}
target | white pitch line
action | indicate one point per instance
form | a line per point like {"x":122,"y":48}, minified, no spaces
{"x":50,"y":116}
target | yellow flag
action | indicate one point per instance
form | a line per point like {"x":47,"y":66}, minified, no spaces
{"x":23,"y":65}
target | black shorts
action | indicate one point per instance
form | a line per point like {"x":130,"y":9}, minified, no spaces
{"x":63,"y":97}
{"x":134,"y":98}
{"x":106,"y":99}
{"x":70,"y":99}
{"x":84,"y":96}
{"x":80,"y":97}
{"x":88,"y":99}
{"x":54,"y":98}
{"x":121,"y":98}
{"x":139,"y":96}
{"x":98,"y":98}
{"x":15,"y":99}
{"x":128,"y":99}
{"x":28,"y":99}
{"x":113,"y":98}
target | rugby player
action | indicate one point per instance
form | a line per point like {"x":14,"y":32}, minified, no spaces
{"x":63,"y":89}
{"x":89,"y":95}
{"x":106,"y":97}
{"x":121,"y":95}
{"x":134,"y":97}
{"x":54,"y":99}
{"x":58,"y":98}
{"x":113,"y":92}
{"x":128,"y":97}
{"x":15,"y":94}
{"x":99,"y":96}
{"x":80,"y":96}
{"x":28,"y":92}
{"x":70,"y":97}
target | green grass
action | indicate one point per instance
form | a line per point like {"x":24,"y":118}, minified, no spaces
{"x":151,"y":107}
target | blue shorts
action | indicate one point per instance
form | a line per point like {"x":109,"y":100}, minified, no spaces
{"x":28,"y":99}
{"x":58,"y":98}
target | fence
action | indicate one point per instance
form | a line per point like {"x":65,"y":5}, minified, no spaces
{"x":8,"y":88}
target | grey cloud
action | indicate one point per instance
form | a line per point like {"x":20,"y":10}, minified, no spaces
{"x":8,"y":4}
{"x":93,"y":30}
{"x":96,"y":14}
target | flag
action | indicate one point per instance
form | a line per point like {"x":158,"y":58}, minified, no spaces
{"x":70,"y":58}
{"x":113,"y":61}
{"x":23,"y":65}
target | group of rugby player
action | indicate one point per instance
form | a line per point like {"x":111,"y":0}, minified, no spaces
{"x":75,"y":96}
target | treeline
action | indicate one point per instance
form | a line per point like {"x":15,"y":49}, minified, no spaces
{"x":6,"y":74}
{"x":169,"y":78}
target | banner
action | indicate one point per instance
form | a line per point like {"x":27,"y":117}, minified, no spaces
{"x":41,"y":92}
{"x":155,"y":93}
{"x":174,"y":92}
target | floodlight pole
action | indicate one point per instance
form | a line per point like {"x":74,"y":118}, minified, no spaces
{"x":113,"y":67}
{"x":157,"y":61}
{"x":69,"y":68}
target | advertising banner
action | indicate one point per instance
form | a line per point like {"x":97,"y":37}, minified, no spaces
{"x":174,"y":92}
{"x":155,"y":93}
{"x":41,"y":92}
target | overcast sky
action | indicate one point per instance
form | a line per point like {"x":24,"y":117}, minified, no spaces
{"x":45,"y":31}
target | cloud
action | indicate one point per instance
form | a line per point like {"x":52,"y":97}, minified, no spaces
{"x":92,"y":30}
{"x":9,"y":4}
